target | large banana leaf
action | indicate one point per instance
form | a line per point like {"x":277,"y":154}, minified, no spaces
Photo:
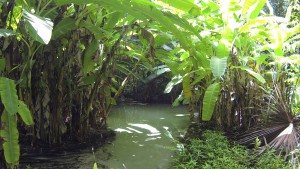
{"x":218,"y":66}
{"x":143,"y":10}
{"x":39,"y":28}
{"x":25,"y":114}
{"x":8,"y":94}
{"x":209,"y":101}
{"x":10,"y":135}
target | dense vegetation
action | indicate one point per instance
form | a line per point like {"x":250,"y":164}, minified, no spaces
{"x":213,"y":150}
{"x":63,"y":64}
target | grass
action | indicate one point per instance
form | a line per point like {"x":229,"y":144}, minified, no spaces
{"x":213,"y":151}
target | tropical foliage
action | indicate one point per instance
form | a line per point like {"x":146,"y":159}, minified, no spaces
{"x":63,"y":64}
{"x":214,"y":150}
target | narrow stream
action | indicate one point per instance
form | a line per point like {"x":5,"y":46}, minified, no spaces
{"x":146,"y":136}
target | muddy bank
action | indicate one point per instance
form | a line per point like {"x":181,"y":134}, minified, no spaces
{"x":70,"y":155}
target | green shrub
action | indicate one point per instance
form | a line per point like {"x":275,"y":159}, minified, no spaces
{"x":214,"y":151}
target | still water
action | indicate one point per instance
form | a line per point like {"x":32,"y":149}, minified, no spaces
{"x":146,"y":136}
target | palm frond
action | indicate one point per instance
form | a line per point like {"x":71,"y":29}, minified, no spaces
{"x":249,"y":136}
{"x":287,"y":140}
{"x":281,"y":133}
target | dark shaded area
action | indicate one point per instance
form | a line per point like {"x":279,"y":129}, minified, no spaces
{"x":71,"y":154}
{"x":153,"y":92}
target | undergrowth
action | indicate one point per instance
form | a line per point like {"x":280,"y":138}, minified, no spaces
{"x":214,"y":151}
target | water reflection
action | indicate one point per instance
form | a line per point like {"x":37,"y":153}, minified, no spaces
{"x":145,"y":136}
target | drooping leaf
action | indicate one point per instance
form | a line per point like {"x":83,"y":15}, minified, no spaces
{"x":63,"y":27}
{"x":251,"y":23}
{"x":225,"y":43}
{"x":253,"y":7}
{"x":209,"y":101}
{"x":218,"y":66}
{"x":184,"y":6}
{"x":277,"y":40}
{"x":96,"y":30}
{"x":78,"y":2}
{"x":183,"y":23}
{"x":112,"y":20}
{"x":186,"y":84}
{"x":251,"y":72}
{"x":6,"y":33}
{"x":24,"y":112}
{"x":2,"y":64}
{"x":88,"y":62}
{"x":39,"y":28}
{"x":10,"y":135}
{"x":8,"y":94}
{"x":178,"y":100}
{"x":174,"y":81}
{"x":159,"y":70}
{"x":143,"y":10}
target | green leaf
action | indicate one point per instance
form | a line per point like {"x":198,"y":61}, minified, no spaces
{"x":63,"y":27}
{"x":257,"y":22}
{"x":209,"y":101}
{"x":39,"y":28}
{"x":225,"y":44}
{"x":159,"y":70}
{"x":178,"y":100}
{"x":6,"y":33}
{"x":2,"y":64}
{"x":10,"y":135}
{"x":88,"y":62}
{"x":143,"y":10}
{"x":251,"y":72}
{"x":25,"y":114}
{"x":96,"y":30}
{"x":186,"y":84}
{"x":218,"y":66}
{"x":95,"y":166}
{"x":277,"y":40}
{"x":113,"y":19}
{"x":185,"y":6}
{"x":253,"y":7}
{"x":9,"y":96}
{"x":78,"y":2}
{"x":175,"y":80}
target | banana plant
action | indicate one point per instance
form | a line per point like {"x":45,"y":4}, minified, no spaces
{"x":12,"y":108}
